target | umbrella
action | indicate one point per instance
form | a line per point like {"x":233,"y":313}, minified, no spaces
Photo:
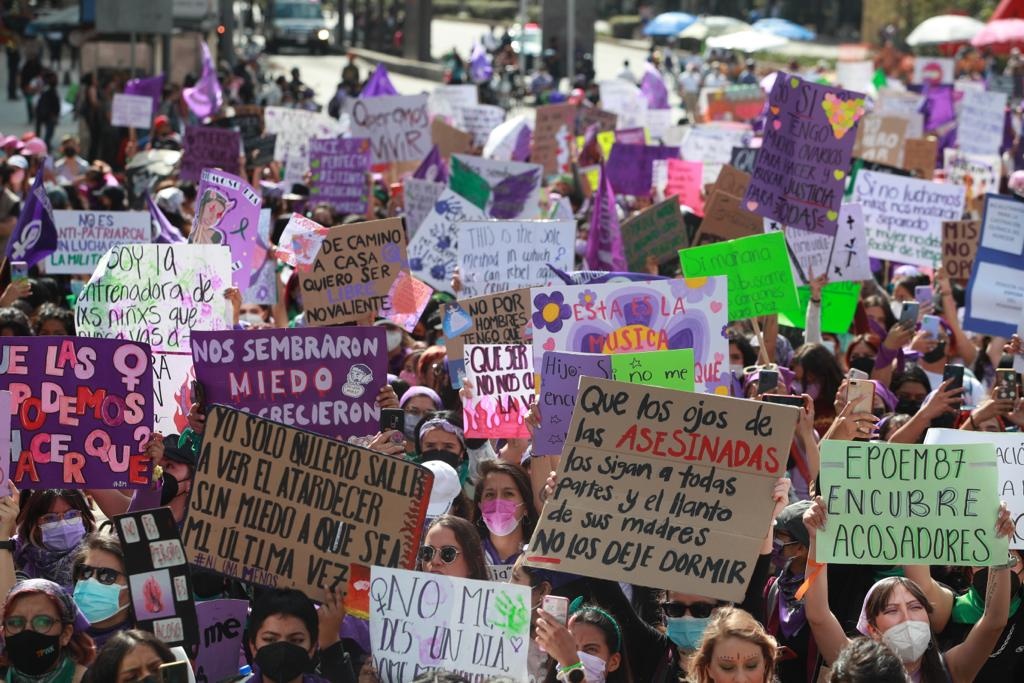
{"x":706,"y":27}
{"x":1000,"y":32}
{"x":747,"y":41}
{"x":945,"y":28}
{"x":668,"y":24}
{"x":785,"y":29}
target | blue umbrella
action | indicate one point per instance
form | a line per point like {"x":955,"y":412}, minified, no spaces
{"x":668,"y":24}
{"x":784,"y":28}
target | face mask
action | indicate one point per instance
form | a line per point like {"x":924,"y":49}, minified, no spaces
{"x":169,"y":490}
{"x":251,"y":319}
{"x":687,"y":631}
{"x":864,"y":364}
{"x":936,"y":354}
{"x":62,"y":535}
{"x":98,"y":601}
{"x":409,"y":428}
{"x":907,"y":407}
{"x":444,"y":456}
{"x":778,"y":559}
{"x":908,"y":640}
{"x":282,"y":661}
{"x":736,"y":370}
{"x":409,"y":377}
{"x":33,"y":653}
{"x":394,"y":339}
{"x":501,"y":516}
{"x":581,"y":247}
{"x":593,"y":667}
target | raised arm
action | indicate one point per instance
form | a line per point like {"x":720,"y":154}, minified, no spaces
{"x":828,"y":634}
{"x":939,"y":596}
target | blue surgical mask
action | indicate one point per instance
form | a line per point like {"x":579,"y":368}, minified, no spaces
{"x":98,"y":601}
{"x":687,"y":631}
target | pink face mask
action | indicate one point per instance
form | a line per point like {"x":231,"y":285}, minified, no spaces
{"x":501,"y":516}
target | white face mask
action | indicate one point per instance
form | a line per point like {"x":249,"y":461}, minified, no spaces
{"x":736,"y":370}
{"x":251,"y":318}
{"x":394,"y":339}
{"x":908,"y":640}
{"x":593,"y":667}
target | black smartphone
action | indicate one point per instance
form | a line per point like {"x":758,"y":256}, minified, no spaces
{"x":1006,"y":385}
{"x":392,"y":418}
{"x":956,"y":373}
{"x":198,"y":394}
{"x":908,"y":313}
{"x":785,"y":399}
{"x":767,"y":381}
{"x":174,"y":672}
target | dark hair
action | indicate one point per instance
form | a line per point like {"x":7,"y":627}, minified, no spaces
{"x":450,"y":416}
{"x":821,"y":363}
{"x":871,"y":340}
{"x":286,"y":601}
{"x":743,"y":344}
{"x":878,"y":301}
{"x":613,"y":637}
{"x":108,"y":660}
{"x":523,"y":485}
{"x":932,"y":669}
{"x":911,"y":373}
{"x":909,"y":282}
{"x":867,"y":661}
{"x":98,"y":540}
{"x":16,"y":321}
{"x":34,"y":504}
{"x":469,"y":541}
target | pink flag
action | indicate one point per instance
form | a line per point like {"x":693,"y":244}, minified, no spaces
{"x":604,"y":241}
{"x":206,"y":97}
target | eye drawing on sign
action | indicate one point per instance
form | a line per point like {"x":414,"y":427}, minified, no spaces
{"x":359,"y":376}
{"x":213,"y":206}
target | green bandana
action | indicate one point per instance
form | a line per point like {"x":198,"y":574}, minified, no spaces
{"x":968,"y":608}
{"x":888,"y":573}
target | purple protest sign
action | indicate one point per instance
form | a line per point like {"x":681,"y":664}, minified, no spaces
{"x":221,"y":627}
{"x":82,"y":410}
{"x":631,"y":136}
{"x":228,"y":213}
{"x":324,"y":380}
{"x":339,"y":168}
{"x":800,"y":173}
{"x":560,"y":373}
{"x":210,"y":147}
{"x":630,"y":166}
{"x":152,"y":87}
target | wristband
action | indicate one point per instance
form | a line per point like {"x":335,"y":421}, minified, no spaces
{"x":815,"y":301}
{"x":7,"y":545}
{"x":567,"y":669}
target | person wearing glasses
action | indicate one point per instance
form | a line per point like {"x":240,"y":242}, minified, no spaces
{"x":451,"y":547}
{"x":45,"y":635}
{"x":53,"y":524}
{"x":101,"y":586}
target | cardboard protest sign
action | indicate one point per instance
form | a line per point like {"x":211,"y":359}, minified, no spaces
{"x":433,"y":251}
{"x":553,"y":136}
{"x":995,"y":288}
{"x":588,"y":116}
{"x":81,"y":411}
{"x":656,"y":232}
{"x":172,"y":391}
{"x":920,"y":155}
{"x":502,"y":379}
{"x":743,"y":159}
{"x":732,"y":180}
{"x":910,"y":504}
{"x":83,"y":237}
{"x":625,"y":100}
{"x":838,"y":305}
{"x":979,"y":174}
{"x":725,"y":218}
{"x":760,"y":279}
{"x":324,"y":380}
{"x":903,"y":216}
{"x":228,"y":213}
{"x":285,"y":508}
{"x":881,"y":139}
{"x":684,"y":180}
{"x":979,"y":128}
{"x":221,"y":629}
{"x":449,"y":139}
{"x":156,"y":294}
{"x":158,"y":578}
{"x":480,"y":629}
{"x":479,"y":120}
{"x":210,"y":147}
{"x":959,"y":248}
{"x":496,"y":256}
{"x":397,"y":125}
{"x":132,"y":111}
{"x":514,"y":187}
{"x":630,"y":317}
{"x":488,"y":319}
{"x":353,"y":272}
{"x":339,"y":173}
{"x":419,"y":198}
{"x":639,"y":455}
{"x":712,"y":145}
{"x":294,"y":129}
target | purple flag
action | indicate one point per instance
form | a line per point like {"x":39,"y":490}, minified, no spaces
{"x":206,"y":97}
{"x":378,"y":84}
{"x":938,"y":104}
{"x":35,"y":236}
{"x":480,"y":68}
{"x":653,"y":88}
{"x":521,"y":151}
{"x":604,"y":241}
{"x":631,"y":167}
{"x":167,"y":233}
{"x":149,"y":87}
{"x":433,"y":161}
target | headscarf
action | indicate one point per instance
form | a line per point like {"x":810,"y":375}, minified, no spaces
{"x":69,"y":612}
{"x":444,"y":425}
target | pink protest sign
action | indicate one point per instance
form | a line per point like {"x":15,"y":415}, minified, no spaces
{"x":81,"y":411}
{"x":228,"y":213}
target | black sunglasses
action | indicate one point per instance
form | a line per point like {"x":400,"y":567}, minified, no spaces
{"x":700,"y":610}
{"x":448,"y":553}
{"x":104,"y":575}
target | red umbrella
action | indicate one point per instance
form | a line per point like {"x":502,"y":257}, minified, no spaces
{"x":1001,"y":34}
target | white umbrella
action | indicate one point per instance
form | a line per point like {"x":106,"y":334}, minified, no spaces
{"x":747,"y":41}
{"x":706,"y":27}
{"x":945,"y":28}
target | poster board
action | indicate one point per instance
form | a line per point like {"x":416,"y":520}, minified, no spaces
{"x":398,"y":127}
{"x":222,"y":629}
{"x":725,"y":218}
{"x":131,"y":111}
{"x":959,"y":248}
{"x":656,"y":232}
{"x":503,"y":390}
{"x":489,"y":319}
{"x":83,"y":237}
{"x":881,"y":139}
{"x":995,"y":289}
{"x":339,"y":169}
{"x":210,"y":147}
{"x":496,"y":256}
{"x":228,"y":213}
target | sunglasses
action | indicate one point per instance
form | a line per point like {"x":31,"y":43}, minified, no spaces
{"x":41,"y":623}
{"x":448,"y":553}
{"x":699,"y":610}
{"x":104,"y":575}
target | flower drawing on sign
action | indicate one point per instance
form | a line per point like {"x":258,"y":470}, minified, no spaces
{"x":551,"y":311}
{"x":587,"y":297}
{"x":358,"y":377}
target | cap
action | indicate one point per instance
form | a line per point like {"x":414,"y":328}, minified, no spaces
{"x":791,"y":521}
{"x":19,"y":161}
{"x":445,"y":490}
{"x":34,"y":147}
{"x":175,"y":451}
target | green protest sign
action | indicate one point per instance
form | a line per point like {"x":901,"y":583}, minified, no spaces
{"x":469,"y":185}
{"x":671,"y":369}
{"x":891,"y":504}
{"x":760,"y":279}
{"x":838,"y":304}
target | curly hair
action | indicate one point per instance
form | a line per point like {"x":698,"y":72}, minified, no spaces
{"x":50,"y":311}
{"x":732,"y":622}
{"x":16,"y":321}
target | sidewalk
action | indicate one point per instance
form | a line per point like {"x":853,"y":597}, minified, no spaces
{"x":14,"y":115}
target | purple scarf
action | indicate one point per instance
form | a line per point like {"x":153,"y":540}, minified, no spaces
{"x":792,"y":616}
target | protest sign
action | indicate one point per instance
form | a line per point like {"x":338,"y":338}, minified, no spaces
{"x":672,"y":369}
{"x":294,"y":129}
{"x":849,"y":261}
{"x":995,"y":288}
{"x":353,"y":272}
{"x":281,"y":507}
{"x":712,"y":145}
{"x":339,"y":173}
{"x":172,"y":391}
{"x":209,"y":147}
{"x":81,"y":411}
{"x":553,"y":134}
{"x":744,"y":159}
{"x":496,"y":256}
{"x":397,"y":125}
{"x":159,"y":582}
{"x":488,"y":319}
{"x":920,"y":155}
{"x":502,"y":380}
{"x":959,"y":248}
{"x":881,"y":139}
{"x":732,"y":103}
{"x":933,"y":70}
{"x":449,"y":139}
{"x":979,"y":128}
{"x":560,"y":373}
{"x":732,"y":181}
{"x":903,"y":216}
{"x":809,"y":252}
{"x":419,"y":198}
{"x":588,"y":116}
{"x":324,"y":380}
{"x":630,"y":317}
{"x":83,"y":237}
{"x":407,"y":300}
{"x":656,"y":232}
{"x":479,"y":120}
{"x":247,"y":120}
{"x":261,"y":152}
{"x":228,"y":213}
{"x":855,"y":75}
{"x":263,"y":282}
{"x":475,"y":629}
{"x":891,"y":504}
{"x":508,"y":142}
{"x":221,"y":630}
{"x":445,"y":99}
{"x":625,"y":100}
{"x":639,"y":459}
{"x":799,"y":176}
{"x":684,"y":180}
{"x":433,"y":249}
{"x":300,"y":242}
{"x":725,"y":218}
{"x":156,"y":294}
{"x":514,"y":186}
{"x":760,"y":279}
{"x":5,"y":435}
{"x":979,"y":174}
{"x":132,"y":111}
{"x":838,"y":304}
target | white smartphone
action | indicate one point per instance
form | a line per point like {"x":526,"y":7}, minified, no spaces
{"x":557,"y":607}
{"x":858,"y":374}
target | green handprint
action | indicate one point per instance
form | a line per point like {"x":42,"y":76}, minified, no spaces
{"x":515,"y":615}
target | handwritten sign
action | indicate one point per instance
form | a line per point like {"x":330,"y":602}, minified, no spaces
{"x":172,"y":391}
{"x":496,"y":256}
{"x":433,"y":250}
{"x":132,"y":111}
{"x":849,"y":261}
{"x":909,"y":504}
{"x":210,"y":147}
{"x":560,"y":373}
{"x":397,"y":125}
{"x":479,"y":120}
{"x":323,"y":380}
{"x":980,"y":122}
{"x":809,"y":252}
{"x":995,"y":288}
{"x":744,"y":159}
{"x":449,"y":139}
{"x":444,"y":99}
{"x":83,"y":237}
{"x":881,"y":139}
{"x":712,"y":145}
{"x":838,"y":304}
{"x":684,"y":180}
{"x":228,"y":213}
{"x":1003,"y":225}
{"x":514,"y":186}
{"x":552,"y":137}
{"x":625,"y":100}
{"x":285,"y":508}
{"x":639,"y":457}
{"x":419,"y":198}
{"x":339,"y":173}
{"x":656,"y":232}
{"x":480,"y":629}
{"x":294,"y":128}
{"x":488,"y":319}
{"x":920,"y":155}
{"x":503,"y":390}
{"x":979,"y":174}
{"x":959,"y":248}
{"x":221,"y":630}
{"x":725,"y":218}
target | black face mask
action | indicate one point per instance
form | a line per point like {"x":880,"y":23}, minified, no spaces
{"x":70,"y":153}
{"x":282,"y":661}
{"x":444,"y":456}
{"x":907,"y":407}
{"x":169,"y":490}
{"x":33,"y":653}
{"x":936,"y":354}
{"x":864,"y":364}
{"x":206,"y":584}
{"x":980,"y":583}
